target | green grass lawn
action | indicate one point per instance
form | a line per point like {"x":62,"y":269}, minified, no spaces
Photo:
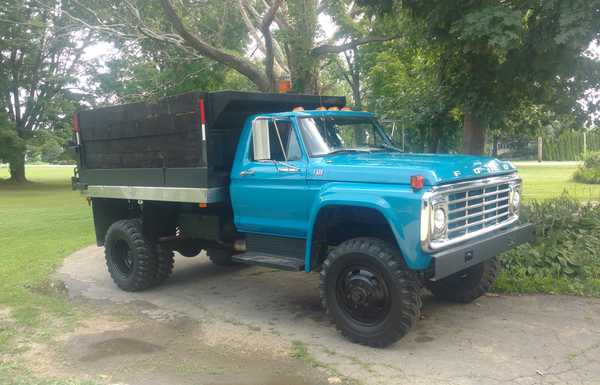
{"x":40,"y":223}
{"x":545,"y":182}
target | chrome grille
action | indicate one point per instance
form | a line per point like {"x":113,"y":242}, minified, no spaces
{"x":475,"y":209}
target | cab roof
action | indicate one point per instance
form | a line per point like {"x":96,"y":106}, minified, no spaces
{"x":317,"y":113}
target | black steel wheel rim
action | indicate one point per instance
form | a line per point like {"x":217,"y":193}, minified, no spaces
{"x":123,"y":257}
{"x":363,"y":294}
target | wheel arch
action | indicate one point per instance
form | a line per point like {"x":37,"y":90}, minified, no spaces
{"x":376,"y":214}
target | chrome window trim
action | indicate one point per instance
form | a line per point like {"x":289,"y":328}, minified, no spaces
{"x":167,"y":194}
{"x":440,"y":194}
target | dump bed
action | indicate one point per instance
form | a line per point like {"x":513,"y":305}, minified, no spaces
{"x":185,"y":142}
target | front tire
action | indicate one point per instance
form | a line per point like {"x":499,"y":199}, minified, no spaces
{"x":371,"y":297}
{"x":131,"y":259}
{"x":467,"y":285}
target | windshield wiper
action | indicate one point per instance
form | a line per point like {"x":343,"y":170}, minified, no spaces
{"x":388,"y":147}
{"x":346,"y":150}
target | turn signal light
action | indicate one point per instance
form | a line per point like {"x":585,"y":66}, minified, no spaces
{"x":417,"y":182}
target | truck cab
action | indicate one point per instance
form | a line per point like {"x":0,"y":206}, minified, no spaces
{"x":311,"y":187}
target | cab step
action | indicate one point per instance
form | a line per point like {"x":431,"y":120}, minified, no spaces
{"x":270,"y":260}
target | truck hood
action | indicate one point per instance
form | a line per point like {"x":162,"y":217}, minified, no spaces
{"x":397,"y":168}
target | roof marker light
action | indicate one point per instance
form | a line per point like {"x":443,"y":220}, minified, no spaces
{"x":298,"y":109}
{"x":321,"y":108}
{"x":346,"y":109}
{"x":333,"y":109}
{"x":417,"y":182}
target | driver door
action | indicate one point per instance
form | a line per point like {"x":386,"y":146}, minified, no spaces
{"x":269,"y":191}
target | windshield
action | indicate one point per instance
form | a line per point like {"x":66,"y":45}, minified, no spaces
{"x":335,"y":134}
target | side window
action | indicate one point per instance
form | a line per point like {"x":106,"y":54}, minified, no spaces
{"x":274,"y":140}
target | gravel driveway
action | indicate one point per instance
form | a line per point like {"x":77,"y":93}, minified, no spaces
{"x":533,"y":339}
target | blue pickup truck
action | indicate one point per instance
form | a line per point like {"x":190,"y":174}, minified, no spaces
{"x":299,"y":183}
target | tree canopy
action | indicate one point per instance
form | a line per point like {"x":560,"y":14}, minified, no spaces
{"x":40,"y":55}
{"x":491,"y":56}
{"x":447,"y":73}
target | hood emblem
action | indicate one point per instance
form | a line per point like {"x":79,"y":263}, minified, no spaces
{"x":456,"y":173}
{"x":319,"y":172}
{"x":477,"y":170}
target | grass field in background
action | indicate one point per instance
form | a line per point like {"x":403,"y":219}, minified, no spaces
{"x":546,"y":182}
{"x":40,"y":223}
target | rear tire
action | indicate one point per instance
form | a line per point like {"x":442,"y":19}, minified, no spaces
{"x":371,"y":297}
{"x":164,"y":265}
{"x":220,"y":257}
{"x":466,"y":285}
{"x":131,"y":259}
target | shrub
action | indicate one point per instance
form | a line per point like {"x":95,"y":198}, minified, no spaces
{"x":566,"y":254}
{"x":589,"y":172}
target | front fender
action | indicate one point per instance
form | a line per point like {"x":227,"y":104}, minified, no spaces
{"x":400,"y":205}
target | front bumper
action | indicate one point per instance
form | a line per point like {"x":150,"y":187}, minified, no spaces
{"x":460,"y":257}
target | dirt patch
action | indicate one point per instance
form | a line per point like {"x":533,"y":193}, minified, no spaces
{"x":170,"y":350}
{"x":49,"y":287}
{"x":5,"y":315}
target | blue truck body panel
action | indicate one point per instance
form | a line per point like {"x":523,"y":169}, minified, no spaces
{"x":287,"y":205}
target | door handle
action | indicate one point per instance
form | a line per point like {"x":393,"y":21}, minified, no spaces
{"x":247,"y":172}
{"x":290,"y":170}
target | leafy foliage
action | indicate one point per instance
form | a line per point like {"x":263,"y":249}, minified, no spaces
{"x":589,"y":172}
{"x":492,"y":56}
{"x":40,"y":59}
{"x":567,"y":247}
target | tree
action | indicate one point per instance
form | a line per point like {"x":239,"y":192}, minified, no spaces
{"x":496,"y":55}
{"x":284,"y":32}
{"x":404,"y":87}
{"x":151,"y":70}
{"x":40,"y":52}
{"x":11,"y":145}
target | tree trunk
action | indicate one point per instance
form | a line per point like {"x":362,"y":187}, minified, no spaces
{"x":474,"y":135}
{"x":356,"y":95}
{"x":495,"y":146}
{"x":17,"y":169}
{"x":434,"y":141}
{"x":355,"y":71}
{"x":303,"y":64}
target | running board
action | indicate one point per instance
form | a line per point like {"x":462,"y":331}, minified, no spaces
{"x":270,"y":260}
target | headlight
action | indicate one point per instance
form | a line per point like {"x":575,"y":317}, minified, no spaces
{"x":439,"y":221}
{"x":516,"y":200}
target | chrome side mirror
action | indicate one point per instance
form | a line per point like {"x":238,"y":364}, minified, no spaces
{"x":260,"y":139}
